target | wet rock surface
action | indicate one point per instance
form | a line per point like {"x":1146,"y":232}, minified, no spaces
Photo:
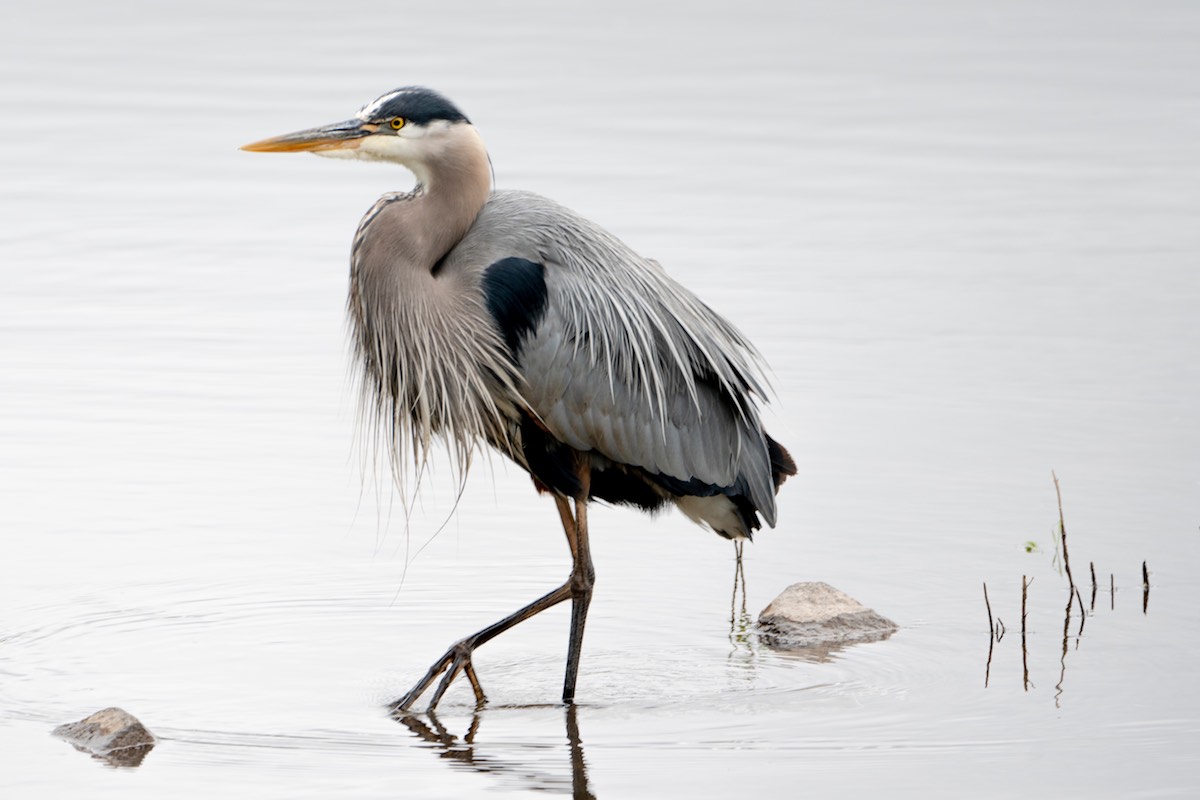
{"x":815,"y":619}
{"x":112,"y":734}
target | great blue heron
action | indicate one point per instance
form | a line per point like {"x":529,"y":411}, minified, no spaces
{"x":501,"y":317}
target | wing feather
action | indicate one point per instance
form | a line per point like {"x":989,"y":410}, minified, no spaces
{"x":625,"y":361}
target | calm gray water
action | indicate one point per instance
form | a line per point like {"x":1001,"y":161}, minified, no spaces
{"x":964,"y":235}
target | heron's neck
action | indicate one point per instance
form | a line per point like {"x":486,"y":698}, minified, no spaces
{"x":454,"y":183}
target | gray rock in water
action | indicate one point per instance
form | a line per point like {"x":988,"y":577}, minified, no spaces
{"x":114,"y":735}
{"x":814,"y":620}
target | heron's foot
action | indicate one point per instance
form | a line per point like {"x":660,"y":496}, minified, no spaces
{"x":455,"y":660}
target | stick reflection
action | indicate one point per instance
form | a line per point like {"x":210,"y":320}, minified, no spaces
{"x":1085,"y":611}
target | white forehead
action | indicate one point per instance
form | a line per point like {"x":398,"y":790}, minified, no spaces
{"x":372,"y":109}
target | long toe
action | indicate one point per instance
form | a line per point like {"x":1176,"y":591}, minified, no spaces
{"x":454,"y":661}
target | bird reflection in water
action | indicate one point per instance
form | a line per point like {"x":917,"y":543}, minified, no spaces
{"x":464,"y":753}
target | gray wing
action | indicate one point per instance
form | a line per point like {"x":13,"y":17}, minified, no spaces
{"x":624,"y":361}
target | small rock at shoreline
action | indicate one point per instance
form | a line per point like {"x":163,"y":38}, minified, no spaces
{"x":111,"y":734}
{"x":815,"y":616}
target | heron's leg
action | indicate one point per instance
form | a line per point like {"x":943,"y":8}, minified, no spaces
{"x":583,"y":576}
{"x":578,"y":587}
{"x":458,"y":657}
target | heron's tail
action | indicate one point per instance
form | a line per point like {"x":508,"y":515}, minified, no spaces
{"x":782,"y":465}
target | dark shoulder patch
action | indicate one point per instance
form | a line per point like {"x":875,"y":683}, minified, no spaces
{"x":515,"y":291}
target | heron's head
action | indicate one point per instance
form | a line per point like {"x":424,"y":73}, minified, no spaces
{"x":412,"y":126}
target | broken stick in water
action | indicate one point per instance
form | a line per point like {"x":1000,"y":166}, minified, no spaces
{"x":1062,"y":531}
{"x":1145,"y":588}
{"x":1024,"y":650}
{"x":1092,"y":565}
{"x":986,"y":602}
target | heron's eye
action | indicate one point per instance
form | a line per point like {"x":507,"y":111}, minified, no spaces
{"x":397,"y":123}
